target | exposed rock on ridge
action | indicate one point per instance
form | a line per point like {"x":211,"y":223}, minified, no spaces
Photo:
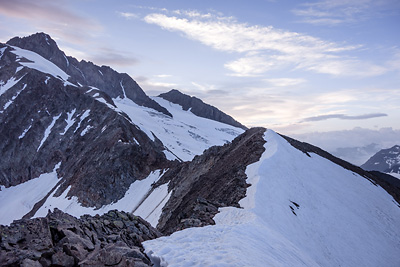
{"x":59,"y":239}
{"x":199,"y":108}
{"x":215,"y":179}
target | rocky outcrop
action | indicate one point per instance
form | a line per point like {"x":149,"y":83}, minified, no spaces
{"x":86,"y":73}
{"x":215,"y":179}
{"x":199,"y":108}
{"x":113,"y":239}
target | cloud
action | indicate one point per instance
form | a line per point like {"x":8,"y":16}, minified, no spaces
{"x":111,"y":57}
{"x":53,"y":17}
{"x":344,"y":117}
{"x":128,"y":15}
{"x":338,"y":12}
{"x":356,"y":137}
{"x":204,"y":87}
{"x":284,"y":82}
{"x":163,"y":75}
{"x":153,"y":87}
{"x":265,"y":48}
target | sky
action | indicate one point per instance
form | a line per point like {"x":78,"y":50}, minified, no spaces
{"x":313,"y":70}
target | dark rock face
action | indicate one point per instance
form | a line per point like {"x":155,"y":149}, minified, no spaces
{"x":199,"y":108}
{"x":215,"y":179}
{"x":390,"y":184}
{"x":385,"y":160}
{"x":86,"y":73}
{"x":113,"y":239}
{"x":44,"y":122}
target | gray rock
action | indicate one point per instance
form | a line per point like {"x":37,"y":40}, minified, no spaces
{"x":30,"y":263}
{"x":62,"y":259}
{"x":62,"y":240}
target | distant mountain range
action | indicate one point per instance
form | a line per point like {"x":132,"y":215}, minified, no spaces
{"x":77,"y":138}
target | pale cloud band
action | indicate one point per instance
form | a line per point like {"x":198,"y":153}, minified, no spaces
{"x":339,"y":12}
{"x":264,"y":47}
{"x":53,"y":17}
{"x":344,"y":117}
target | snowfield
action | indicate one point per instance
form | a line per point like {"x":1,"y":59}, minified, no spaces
{"x":136,"y":199}
{"x":299,"y":211}
{"x":18,"y":200}
{"x":39,"y":63}
{"x":185,"y":135}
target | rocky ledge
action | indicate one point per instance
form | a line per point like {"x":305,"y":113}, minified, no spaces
{"x":113,"y":239}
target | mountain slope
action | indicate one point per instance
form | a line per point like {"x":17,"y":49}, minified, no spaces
{"x":385,"y":160}
{"x":199,"y":108}
{"x":46,"y":120}
{"x":300,"y":210}
{"x":80,"y":144}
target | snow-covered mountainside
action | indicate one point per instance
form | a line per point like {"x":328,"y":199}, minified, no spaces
{"x":300,"y":210}
{"x":385,"y":160}
{"x":87,"y":140}
{"x":81,"y":135}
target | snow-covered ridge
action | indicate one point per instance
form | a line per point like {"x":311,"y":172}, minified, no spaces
{"x":319,"y":215}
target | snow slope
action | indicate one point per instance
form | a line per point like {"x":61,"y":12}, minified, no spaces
{"x":299,"y":211}
{"x":136,"y":199}
{"x":39,"y":63}
{"x":185,"y":135}
{"x":18,"y":200}
{"x":394,"y":174}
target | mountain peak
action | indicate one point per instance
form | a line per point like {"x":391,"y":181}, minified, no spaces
{"x":87,"y":73}
{"x":199,"y":108}
{"x":385,"y":160}
{"x":40,"y":43}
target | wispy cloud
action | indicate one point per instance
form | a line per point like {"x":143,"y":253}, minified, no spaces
{"x":284,"y":82}
{"x":337,"y":12}
{"x":112,"y":57}
{"x":163,"y":75}
{"x":344,"y":117}
{"x":264,"y":48}
{"x":155,"y":87}
{"x":356,"y":137}
{"x":53,"y":17}
{"x":128,"y":15}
